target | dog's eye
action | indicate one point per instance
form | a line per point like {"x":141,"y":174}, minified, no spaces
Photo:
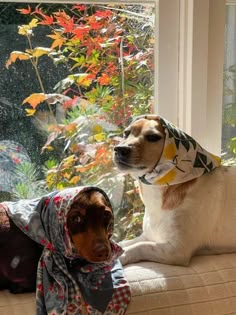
{"x":76,"y":224}
{"x":126,"y":134}
{"x":107,"y":216}
{"x":153,"y":137}
{"x":77,"y":220}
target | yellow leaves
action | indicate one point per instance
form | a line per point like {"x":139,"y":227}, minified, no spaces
{"x":28,"y":54}
{"x":74,"y":180}
{"x":97,"y":129}
{"x":69,"y":161}
{"x":99,"y":137}
{"x":84,"y":79}
{"x":58,"y":40}
{"x":39,"y":51}
{"x":17,"y":55}
{"x":30,"y":112}
{"x":35,"y":99}
{"x":26,"y":30}
{"x":98,"y":134}
{"x":70,"y":129}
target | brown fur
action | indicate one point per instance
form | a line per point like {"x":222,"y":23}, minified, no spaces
{"x":173,"y":196}
{"x":91,"y":235}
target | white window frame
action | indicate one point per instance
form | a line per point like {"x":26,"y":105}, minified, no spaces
{"x":189,"y":59}
{"x":190,"y":72}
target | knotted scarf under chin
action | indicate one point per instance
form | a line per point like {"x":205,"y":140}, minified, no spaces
{"x":66,"y":284}
{"x":182,"y":159}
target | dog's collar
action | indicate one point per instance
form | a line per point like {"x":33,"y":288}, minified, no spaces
{"x":182,"y":159}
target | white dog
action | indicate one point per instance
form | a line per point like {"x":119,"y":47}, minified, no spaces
{"x":190,"y":200}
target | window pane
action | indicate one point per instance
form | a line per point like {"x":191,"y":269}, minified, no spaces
{"x":229,"y":102}
{"x":71,"y":78}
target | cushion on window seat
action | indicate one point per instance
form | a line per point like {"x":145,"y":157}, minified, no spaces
{"x":206,"y":287}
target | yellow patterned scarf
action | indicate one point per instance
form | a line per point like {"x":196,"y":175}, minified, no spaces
{"x":182,"y":158}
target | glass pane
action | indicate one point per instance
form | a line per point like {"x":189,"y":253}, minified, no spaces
{"x":71,"y":78}
{"x":229,"y":101}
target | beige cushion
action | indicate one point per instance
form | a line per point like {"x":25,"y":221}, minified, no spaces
{"x":206,"y":287}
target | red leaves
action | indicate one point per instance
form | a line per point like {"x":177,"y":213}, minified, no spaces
{"x":45,"y":19}
{"x":25,"y":11}
{"x":104,"y":79}
{"x":80,"y":7}
{"x":102,"y":54}
{"x":48,"y":20}
{"x":80,"y":31}
{"x":65,"y":21}
{"x":103,"y":14}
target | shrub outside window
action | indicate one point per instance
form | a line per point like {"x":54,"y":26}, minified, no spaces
{"x":75,"y":75}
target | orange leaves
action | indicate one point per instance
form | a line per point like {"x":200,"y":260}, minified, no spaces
{"x":35,"y":99}
{"x":104,"y":79}
{"x":58,"y":40}
{"x":102,"y":157}
{"x":75,"y":180}
{"x":17,"y":55}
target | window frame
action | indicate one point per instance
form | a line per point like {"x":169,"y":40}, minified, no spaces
{"x":189,"y":59}
{"x":194,"y":80}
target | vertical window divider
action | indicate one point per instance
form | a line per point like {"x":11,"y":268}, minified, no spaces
{"x":201,"y":59}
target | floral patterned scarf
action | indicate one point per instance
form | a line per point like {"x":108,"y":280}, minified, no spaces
{"x":66,"y":284}
{"x":182,"y":158}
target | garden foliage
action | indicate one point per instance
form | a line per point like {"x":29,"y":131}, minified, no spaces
{"x":109,"y":53}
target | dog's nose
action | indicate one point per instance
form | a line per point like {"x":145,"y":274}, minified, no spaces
{"x":122,"y":151}
{"x":101,"y":252}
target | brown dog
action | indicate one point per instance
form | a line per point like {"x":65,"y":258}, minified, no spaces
{"x":90,"y":225}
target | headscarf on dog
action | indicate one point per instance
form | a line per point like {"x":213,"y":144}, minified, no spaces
{"x":182,"y":159}
{"x":60,"y":289}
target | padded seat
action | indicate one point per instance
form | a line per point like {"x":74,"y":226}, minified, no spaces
{"x":206,"y":287}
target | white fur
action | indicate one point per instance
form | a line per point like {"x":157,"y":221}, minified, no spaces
{"x":204,"y":222}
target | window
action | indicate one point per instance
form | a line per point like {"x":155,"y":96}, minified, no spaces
{"x":184,"y":85}
{"x":75,"y":73}
{"x":229,"y":100}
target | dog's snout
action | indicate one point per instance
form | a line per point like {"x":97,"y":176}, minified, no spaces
{"x":122,"y":151}
{"x":101,"y":251}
